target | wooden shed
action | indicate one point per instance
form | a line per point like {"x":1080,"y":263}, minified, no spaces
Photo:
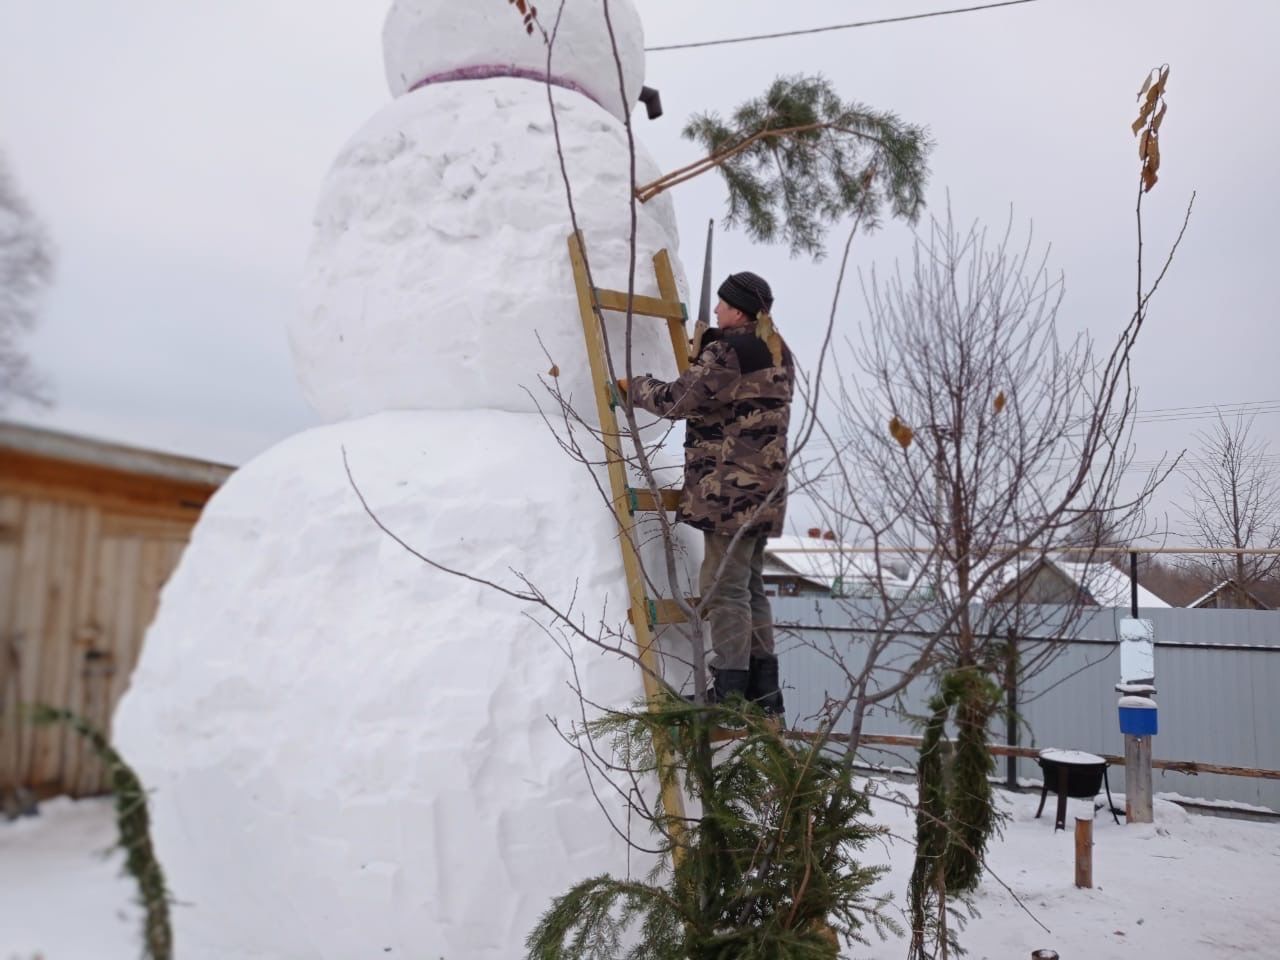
{"x":89,"y":532}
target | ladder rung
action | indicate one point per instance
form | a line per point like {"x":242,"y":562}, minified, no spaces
{"x":644,"y":306}
{"x":664,"y":611}
{"x":641,"y":501}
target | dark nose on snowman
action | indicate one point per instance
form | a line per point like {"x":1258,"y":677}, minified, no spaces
{"x":652,"y":101}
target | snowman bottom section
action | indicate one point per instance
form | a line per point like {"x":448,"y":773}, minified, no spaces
{"x":350,"y":752}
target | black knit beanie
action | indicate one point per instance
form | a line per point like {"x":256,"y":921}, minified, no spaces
{"x":748,"y":292}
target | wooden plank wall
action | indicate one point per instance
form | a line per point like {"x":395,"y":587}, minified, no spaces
{"x":79,"y":583}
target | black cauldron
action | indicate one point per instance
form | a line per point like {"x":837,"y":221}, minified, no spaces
{"x":1070,"y":773}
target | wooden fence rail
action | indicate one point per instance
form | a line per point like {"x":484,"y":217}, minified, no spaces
{"x":1192,"y":767}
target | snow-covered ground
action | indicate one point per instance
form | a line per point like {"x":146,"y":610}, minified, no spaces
{"x":1184,"y":887}
{"x":63,"y":892}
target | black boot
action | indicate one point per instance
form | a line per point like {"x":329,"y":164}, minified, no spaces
{"x":763,"y":687}
{"x":727,"y":683}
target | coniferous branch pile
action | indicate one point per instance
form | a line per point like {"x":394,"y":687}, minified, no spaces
{"x":956,"y":815}
{"x":768,"y":871}
{"x":134,"y":826}
{"x":799,"y":158}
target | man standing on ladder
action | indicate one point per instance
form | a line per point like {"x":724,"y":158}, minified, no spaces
{"x":736,"y":400}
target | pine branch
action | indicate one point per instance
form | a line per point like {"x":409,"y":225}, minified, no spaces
{"x":798,"y":159}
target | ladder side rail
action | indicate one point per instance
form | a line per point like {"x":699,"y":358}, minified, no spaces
{"x":671,"y":796}
{"x":677,"y":329}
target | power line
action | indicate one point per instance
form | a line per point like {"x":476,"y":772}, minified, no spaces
{"x":1214,"y":406}
{"x":1206,"y":415}
{"x":836,"y":26}
{"x":1144,"y":466}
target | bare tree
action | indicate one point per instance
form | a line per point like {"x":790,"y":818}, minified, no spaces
{"x":973,"y":426}
{"x":26,"y":265}
{"x":1235,"y":490}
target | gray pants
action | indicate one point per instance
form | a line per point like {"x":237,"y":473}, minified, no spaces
{"x":735,"y":602}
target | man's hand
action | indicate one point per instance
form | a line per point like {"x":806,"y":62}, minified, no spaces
{"x":622,"y":384}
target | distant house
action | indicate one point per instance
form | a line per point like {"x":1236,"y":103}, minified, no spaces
{"x":89,"y":532}
{"x":1051,"y":580}
{"x":1229,"y":596}
{"x":819,"y":564}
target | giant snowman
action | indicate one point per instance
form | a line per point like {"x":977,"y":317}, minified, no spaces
{"x":348,"y":749}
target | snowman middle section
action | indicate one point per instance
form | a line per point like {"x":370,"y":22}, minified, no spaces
{"x":439,"y":277}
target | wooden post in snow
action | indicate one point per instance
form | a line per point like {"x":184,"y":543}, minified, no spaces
{"x":1137,"y":779}
{"x":1084,"y":853}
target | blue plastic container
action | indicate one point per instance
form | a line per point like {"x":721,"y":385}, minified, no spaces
{"x":1139,"y":721}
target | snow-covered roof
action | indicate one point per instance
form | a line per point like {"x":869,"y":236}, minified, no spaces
{"x":776,"y":568}
{"x":1208,"y":593}
{"x":1107,"y":584}
{"x":828,"y":562}
{"x":1230,"y":581}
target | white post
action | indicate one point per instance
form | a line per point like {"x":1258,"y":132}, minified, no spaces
{"x":1137,"y":687}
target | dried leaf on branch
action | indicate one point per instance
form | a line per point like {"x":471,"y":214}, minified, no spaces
{"x":1147,"y":127}
{"x":901,"y":432}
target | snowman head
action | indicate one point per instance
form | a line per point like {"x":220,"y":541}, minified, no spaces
{"x":427,"y":41}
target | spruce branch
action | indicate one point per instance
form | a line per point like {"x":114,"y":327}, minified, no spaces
{"x":133,"y":824}
{"x":770,"y":867}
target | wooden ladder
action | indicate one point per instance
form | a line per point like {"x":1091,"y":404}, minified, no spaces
{"x":646,"y":613}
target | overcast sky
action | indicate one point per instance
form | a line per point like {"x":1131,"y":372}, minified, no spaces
{"x":175,"y":151}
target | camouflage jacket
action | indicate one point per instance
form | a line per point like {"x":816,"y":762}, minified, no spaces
{"x":737,"y":405}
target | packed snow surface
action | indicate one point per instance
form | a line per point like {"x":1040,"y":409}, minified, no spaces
{"x":1137,"y":703}
{"x":349,"y":750}
{"x":1183,"y":888}
{"x":439,"y":276}
{"x":1135,"y":688}
{"x":427,"y":38}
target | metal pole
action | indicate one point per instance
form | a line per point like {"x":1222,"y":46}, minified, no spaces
{"x":1011,"y":710}
{"x":1133,"y":584}
{"x":703,"y":323}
